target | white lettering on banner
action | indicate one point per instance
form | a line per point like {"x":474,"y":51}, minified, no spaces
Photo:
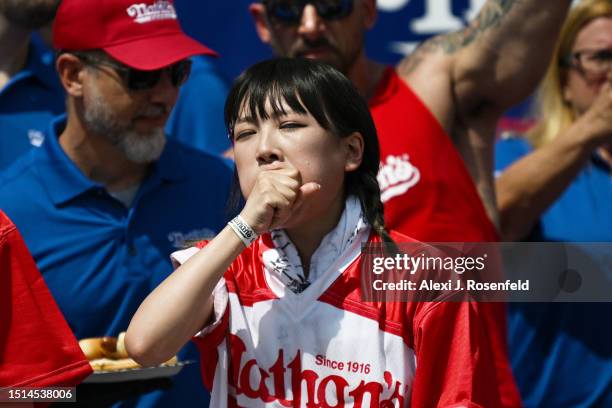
{"x":438,"y":14}
{"x":475,"y":6}
{"x":438,"y":18}
{"x":160,"y":10}
{"x":271,"y":384}
{"x":391,"y":5}
{"x":396,"y":176}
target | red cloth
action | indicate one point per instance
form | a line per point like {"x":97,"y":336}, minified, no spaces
{"x":37,"y":348}
{"x":429,"y":195}
{"x":427,"y":191}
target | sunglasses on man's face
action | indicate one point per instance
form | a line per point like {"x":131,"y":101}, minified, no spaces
{"x":138,"y":80}
{"x":290,"y":11}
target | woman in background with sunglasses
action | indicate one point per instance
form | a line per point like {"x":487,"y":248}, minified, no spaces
{"x":275,"y":297}
{"x":555,"y":185}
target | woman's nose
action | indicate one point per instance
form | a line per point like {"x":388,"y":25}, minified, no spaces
{"x":267,"y":150}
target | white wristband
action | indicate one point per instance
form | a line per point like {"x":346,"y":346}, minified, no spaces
{"x":244,"y":231}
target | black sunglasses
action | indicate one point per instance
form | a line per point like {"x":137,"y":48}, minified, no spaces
{"x":138,"y":80}
{"x":290,"y":11}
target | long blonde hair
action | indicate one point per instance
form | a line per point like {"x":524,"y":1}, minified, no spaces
{"x":555,"y":113}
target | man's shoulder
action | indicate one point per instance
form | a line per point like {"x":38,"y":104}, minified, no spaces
{"x":22,"y":194}
{"x":432,"y":58}
{"x":19,"y":174}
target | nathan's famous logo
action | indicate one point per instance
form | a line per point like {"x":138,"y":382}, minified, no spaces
{"x":160,"y":10}
{"x":396,"y":176}
{"x":269,"y":384}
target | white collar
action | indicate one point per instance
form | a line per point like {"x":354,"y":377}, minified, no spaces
{"x":285,"y":264}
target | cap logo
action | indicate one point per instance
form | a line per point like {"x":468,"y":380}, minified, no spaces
{"x":160,"y":10}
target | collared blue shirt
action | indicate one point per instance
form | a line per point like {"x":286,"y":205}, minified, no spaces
{"x":101,"y":259}
{"x":28,"y":102}
{"x":561,"y":353}
{"x":197,"y":118}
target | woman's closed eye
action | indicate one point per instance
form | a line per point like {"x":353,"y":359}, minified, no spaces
{"x":243,"y":134}
{"x":289,"y":125}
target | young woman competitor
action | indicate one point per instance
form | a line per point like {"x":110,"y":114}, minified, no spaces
{"x":274,"y":301}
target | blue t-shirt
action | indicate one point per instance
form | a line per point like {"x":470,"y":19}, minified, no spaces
{"x":101,"y":259}
{"x":197,"y":118}
{"x":561,"y":353}
{"x":28,"y":102}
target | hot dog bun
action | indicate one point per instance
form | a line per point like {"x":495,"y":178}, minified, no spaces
{"x":107,"y":364}
{"x":109,"y":353}
{"x":104,"y":347}
{"x":114,"y":347}
{"x":92,"y":347}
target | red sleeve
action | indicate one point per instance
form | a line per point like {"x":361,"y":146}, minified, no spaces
{"x":37,"y":348}
{"x":461,"y":357}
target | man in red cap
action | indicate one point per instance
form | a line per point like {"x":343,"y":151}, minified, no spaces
{"x":139,"y":47}
{"x":106,"y":199}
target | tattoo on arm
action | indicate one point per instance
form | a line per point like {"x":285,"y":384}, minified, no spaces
{"x":489,"y":17}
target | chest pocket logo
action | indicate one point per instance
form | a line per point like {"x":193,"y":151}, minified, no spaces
{"x":36,"y":137}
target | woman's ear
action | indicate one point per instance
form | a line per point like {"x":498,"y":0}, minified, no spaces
{"x":354,"y":151}
{"x":70,"y":70}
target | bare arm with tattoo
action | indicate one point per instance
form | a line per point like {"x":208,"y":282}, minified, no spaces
{"x":498,"y":59}
{"x":469,"y":78}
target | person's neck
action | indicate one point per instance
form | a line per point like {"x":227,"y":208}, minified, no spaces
{"x":14,"y":45}
{"x":308,"y":237}
{"x":365,"y":75}
{"x":98,"y":159}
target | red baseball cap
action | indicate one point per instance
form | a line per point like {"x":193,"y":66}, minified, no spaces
{"x":142,"y":34}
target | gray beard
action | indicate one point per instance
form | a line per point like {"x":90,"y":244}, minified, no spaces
{"x":137,"y":147}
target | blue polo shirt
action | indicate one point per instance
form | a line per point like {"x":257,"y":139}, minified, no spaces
{"x":101,"y":259}
{"x":197,"y":118}
{"x":28,"y":102}
{"x":561,"y":353}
